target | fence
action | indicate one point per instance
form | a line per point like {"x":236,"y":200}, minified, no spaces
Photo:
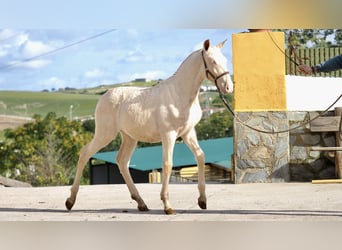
{"x":312,"y":57}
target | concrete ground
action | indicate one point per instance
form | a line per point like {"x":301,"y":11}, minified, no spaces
{"x":226,"y":202}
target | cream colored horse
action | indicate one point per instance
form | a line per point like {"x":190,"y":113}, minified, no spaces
{"x":163,"y":113}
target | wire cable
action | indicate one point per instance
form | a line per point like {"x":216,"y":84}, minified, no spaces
{"x":56,"y":50}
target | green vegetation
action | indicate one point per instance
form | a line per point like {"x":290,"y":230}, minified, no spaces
{"x":315,"y":38}
{"x":81,"y":102}
{"x":45,"y":152}
{"x":218,"y":125}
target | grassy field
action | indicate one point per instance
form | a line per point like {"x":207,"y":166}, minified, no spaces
{"x":23,"y":103}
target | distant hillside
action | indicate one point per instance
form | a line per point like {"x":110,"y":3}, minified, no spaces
{"x":24,"y":103}
{"x":65,"y":102}
{"x":103,"y":88}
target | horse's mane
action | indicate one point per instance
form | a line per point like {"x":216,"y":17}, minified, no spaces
{"x":180,"y":66}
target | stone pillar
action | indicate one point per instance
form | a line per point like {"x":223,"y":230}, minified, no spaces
{"x":260,"y":101}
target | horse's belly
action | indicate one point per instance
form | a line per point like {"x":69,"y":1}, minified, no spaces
{"x":140,"y":127}
{"x":143,"y":134}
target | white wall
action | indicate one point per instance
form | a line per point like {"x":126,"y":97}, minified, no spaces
{"x":312,"y":93}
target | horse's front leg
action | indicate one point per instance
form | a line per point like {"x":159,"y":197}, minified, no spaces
{"x":191,"y":141}
{"x":125,"y":152}
{"x":168,"y":146}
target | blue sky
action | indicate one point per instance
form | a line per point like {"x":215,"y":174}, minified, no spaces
{"x":118,"y":56}
{"x":151,"y":39}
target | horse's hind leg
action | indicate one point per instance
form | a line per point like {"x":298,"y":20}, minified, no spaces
{"x":86,"y":152}
{"x":191,"y":141}
{"x":105,"y":132}
{"x":126,"y":150}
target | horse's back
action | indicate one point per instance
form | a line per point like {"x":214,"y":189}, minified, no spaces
{"x":118,"y":95}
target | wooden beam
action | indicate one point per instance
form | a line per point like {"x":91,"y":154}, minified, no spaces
{"x":326,"y":148}
{"x":325,"y":124}
{"x":330,"y":181}
{"x":338,"y":154}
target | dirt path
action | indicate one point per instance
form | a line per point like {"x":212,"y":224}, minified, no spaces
{"x":9,"y":121}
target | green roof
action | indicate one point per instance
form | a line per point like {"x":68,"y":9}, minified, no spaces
{"x":216,"y":151}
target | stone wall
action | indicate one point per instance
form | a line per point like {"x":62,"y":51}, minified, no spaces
{"x":284,"y":157}
{"x":307,"y":165}
{"x":261,"y":157}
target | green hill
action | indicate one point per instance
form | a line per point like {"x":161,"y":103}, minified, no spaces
{"x":24,"y":103}
{"x":75,"y":102}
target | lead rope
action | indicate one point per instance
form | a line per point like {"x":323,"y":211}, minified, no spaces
{"x":302,"y":124}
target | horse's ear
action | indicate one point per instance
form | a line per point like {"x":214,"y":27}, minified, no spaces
{"x":220,"y":45}
{"x":206,"y":44}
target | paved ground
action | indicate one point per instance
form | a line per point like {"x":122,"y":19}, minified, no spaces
{"x":226,"y":202}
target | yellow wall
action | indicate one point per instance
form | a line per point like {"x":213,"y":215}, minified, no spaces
{"x":259,"y":71}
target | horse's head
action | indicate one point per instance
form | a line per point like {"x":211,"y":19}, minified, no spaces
{"x":215,"y":64}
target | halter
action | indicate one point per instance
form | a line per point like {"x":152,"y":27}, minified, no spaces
{"x":208,"y":72}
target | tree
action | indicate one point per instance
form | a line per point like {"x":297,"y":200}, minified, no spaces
{"x":338,"y":37}
{"x":303,"y":38}
{"x":217,"y":102}
{"x":44,"y":152}
{"x":219,"y":124}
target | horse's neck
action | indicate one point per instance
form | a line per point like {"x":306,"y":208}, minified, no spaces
{"x":188,"y":77}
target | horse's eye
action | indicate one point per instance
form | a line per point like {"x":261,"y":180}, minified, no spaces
{"x":214,"y":62}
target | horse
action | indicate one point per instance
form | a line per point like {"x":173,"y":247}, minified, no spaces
{"x":161,"y":113}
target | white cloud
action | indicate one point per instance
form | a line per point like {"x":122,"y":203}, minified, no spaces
{"x":6,"y":34}
{"x":3,"y":52}
{"x":16,"y":48}
{"x":149,"y":75}
{"x":52,"y":82}
{"x":34,"y":48}
{"x":137,"y":56}
{"x":10,"y":42}
{"x":94,"y":73}
{"x":132,"y":33}
{"x":34,"y":64}
{"x":20,"y":40}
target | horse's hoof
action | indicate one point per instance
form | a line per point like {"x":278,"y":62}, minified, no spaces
{"x":202,"y":204}
{"x":69,"y":204}
{"x":143,"y":208}
{"x":169,"y":211}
